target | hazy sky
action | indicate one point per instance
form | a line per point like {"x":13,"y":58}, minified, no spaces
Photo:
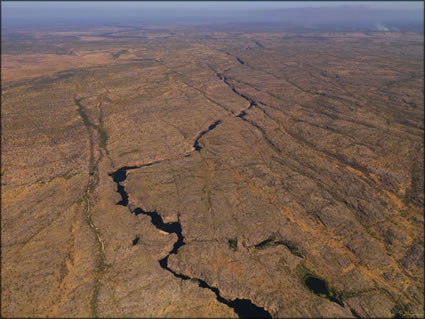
{"x":26,"y":13}
{"x":187,"y":5}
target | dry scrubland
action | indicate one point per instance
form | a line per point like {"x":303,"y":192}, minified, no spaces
{"x":314,"y":168}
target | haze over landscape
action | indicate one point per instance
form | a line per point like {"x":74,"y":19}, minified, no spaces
{"x":353,"y":16}
{"x":212,"y":159}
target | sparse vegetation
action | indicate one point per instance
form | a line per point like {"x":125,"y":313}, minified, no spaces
{"x":302,"y":156}
{"x":272,"y":242}
{"x":117,"y":54}
{"x":93,"y":300}
{"x":99,"y":128}
{"x":291,"y":246}
{"x":319,"y":286}
{"x":402,"y":312}
{"x":265,"y":243}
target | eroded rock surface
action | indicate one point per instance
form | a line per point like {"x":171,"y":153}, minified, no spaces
{"x":279,"y":157}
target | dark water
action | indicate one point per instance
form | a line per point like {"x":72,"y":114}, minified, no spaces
{"x":319,"y":287}
{"x":225,"y":80}
{"x":136,"y":240}
{"x":241,"y":114}
{"x":118,"y":177}
{"x":211,"y":127}
{"x":240,"y":60}
{"x":259,"y":44}
{"x":252,"y":103}
{"x":243,"y":307}
{"x":157,"y":221}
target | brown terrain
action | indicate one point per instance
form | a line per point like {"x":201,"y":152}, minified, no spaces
{"x":177,"y":173}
